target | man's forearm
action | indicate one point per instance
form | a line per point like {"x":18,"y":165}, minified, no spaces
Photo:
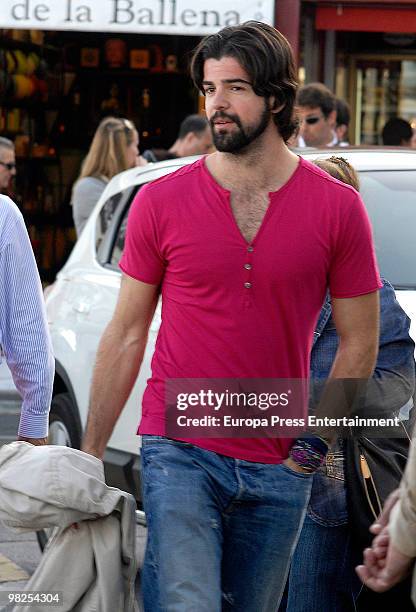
{"x":353,"y":360}
{"x":117,"y":366}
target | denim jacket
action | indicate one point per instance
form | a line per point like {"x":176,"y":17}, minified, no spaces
{"x":395,"y":369}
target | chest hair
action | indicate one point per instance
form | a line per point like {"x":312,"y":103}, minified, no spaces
{"x":249,"y":207}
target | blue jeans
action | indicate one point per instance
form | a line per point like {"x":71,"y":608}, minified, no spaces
{"x":322,"y":577}
{"x":221,"y":531}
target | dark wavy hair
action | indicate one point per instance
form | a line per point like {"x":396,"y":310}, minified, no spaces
{"x":265,"y":55}
{"x":317,"y":95}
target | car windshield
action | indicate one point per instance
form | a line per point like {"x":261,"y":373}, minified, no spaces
{"x":390,"y":198}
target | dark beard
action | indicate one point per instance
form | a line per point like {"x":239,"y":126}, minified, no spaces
{"x":235,"y":142}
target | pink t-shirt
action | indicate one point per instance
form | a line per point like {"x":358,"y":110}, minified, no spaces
{"x":222,"y":318}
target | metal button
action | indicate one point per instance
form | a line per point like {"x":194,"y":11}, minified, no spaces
{"x":250,"y":249}
{"x":247,"y":266}
{"x":247,"y":285}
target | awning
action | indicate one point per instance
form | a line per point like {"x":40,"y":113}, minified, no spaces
{"x":364,"y":19}
{"x":192,"y":17}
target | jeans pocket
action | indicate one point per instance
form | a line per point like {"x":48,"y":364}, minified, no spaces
{"x":295,"y":473}
{"x":328,"y":501}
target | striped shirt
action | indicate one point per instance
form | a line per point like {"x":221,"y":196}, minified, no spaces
{"x":24,"y":335}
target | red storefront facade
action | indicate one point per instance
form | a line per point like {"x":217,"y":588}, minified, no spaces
{"x":364,"y":50}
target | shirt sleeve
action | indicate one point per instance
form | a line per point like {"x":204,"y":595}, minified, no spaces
{"x":353,"y":269}
{"x":142,"y":258}
{"x":23,"y":327}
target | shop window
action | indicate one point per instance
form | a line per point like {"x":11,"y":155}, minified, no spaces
{"x":384,"y":87}
{"x":55,"y":87}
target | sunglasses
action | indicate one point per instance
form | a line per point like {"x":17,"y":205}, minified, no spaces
{"x":313,"y":120}
{"x":10,"y":166}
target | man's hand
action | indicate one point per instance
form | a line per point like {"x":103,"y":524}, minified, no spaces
{"x":384,"y":565}
{"x":34,"y":441}
{"x":383,"y":569}
{"x":292,"y":465}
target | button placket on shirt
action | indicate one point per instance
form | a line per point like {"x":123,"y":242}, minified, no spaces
{"x":248,"y":266}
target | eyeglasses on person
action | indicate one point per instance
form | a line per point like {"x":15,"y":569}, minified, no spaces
{"x":313,"y":119}
{"x":9,"y":165}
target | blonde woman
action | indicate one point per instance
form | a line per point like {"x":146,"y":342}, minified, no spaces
{"x":114,"y":148}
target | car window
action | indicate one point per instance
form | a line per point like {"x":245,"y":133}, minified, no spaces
{"x":119,"y":240}
{"x":104,"y":218}
{"x":390,"y":198}
{"x":109,"y":233}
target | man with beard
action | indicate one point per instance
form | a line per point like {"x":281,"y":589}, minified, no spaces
{"x":243,"y":245}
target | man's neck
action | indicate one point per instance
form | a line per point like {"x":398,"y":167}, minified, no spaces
{"x":334,"y":140}
{"x":176,"y":148}
{"x":267,"y":166}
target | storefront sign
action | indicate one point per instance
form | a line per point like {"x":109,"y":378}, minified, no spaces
{"x":192,"y":17}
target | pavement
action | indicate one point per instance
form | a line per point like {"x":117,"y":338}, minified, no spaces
{"x":20,"y":554}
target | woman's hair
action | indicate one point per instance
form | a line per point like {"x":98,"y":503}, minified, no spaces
{"x":339,"y":168}
{"x":265,"y":55}
{"x":107,"y":155}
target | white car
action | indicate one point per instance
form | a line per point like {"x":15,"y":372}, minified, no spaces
{"x":82,"y":300}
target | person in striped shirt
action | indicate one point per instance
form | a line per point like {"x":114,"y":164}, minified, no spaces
{"x":24,"y":335}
